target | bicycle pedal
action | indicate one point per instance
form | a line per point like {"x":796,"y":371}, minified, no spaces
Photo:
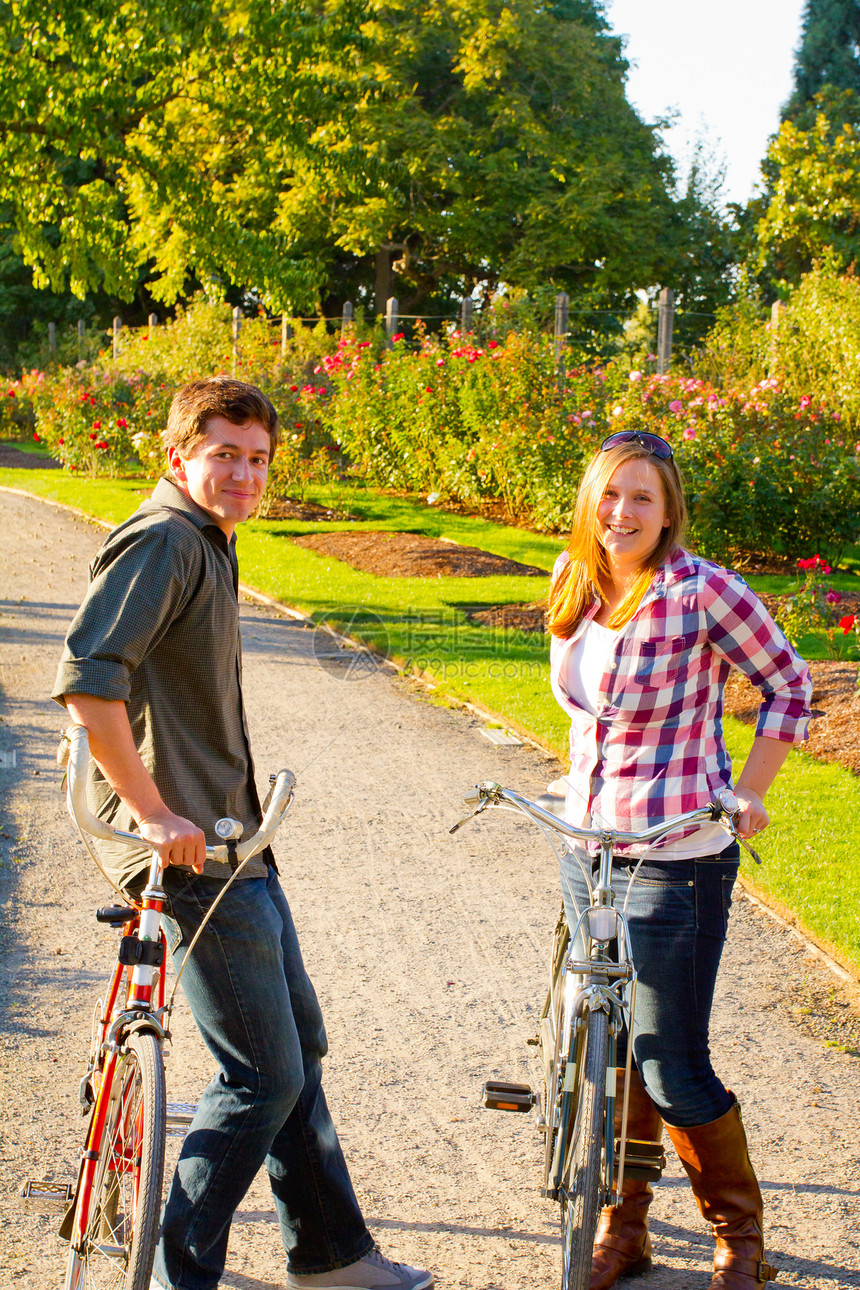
{"x":643,"y":1160}
{"x":41,"y":1196}
{"x":497,"y":1095}
{"x":179,"y":1117}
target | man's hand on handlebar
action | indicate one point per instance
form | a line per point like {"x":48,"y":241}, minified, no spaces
{"x":176,"y":840}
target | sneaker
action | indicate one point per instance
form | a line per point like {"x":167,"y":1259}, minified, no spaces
{"x":373,"y":1272}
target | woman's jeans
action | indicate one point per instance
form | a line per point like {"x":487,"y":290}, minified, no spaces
{"x":677,"y":916}
{"x":257,"y":1011}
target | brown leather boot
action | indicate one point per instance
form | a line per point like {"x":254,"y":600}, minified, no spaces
{"x":717,"y":1163}
{"x":622,"y":1246}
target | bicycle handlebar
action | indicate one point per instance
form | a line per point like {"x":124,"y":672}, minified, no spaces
{"x":74,"y":753}
{"x":490,"y":794}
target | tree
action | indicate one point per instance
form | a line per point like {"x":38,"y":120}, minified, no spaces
{"x":293,"y":147}
{"x":828,"y":58}
{"x":704,"y":251}
{"x":809,"y":205}
{"x":813,"y":206}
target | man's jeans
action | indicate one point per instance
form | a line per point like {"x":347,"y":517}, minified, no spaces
{"x":678,"y":917}
{"x":257,"y":1011}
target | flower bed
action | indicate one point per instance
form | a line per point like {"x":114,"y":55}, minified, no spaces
{"x":768,"y":473}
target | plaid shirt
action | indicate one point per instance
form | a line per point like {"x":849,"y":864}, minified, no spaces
{"x":655,"y":747}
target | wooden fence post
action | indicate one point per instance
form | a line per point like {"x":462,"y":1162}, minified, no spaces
{"x":52,"y":337}
{"x":348,"y":316}
{"x":466,"y":315}
{"x":391,"y":308}
{"x":117,"y":328}
{"x":665,"y":327}
{"x":286,"y":334}
{"x":777,"y":311}
{"x":153,"y":320}
{"x":237,"y":327}
{"x":562,"y":322}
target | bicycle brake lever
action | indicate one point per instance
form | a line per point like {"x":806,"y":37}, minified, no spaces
{"x":467,"y":818}
{"x":755,"y":855}
{"x":476,"y":797}
{"x":730,"y":805}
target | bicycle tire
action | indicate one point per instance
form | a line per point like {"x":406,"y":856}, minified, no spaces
{"x":581,"y":1185}
{"x":118,"y":1246}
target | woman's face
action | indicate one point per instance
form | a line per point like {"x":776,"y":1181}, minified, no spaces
{"x":631,"y":515}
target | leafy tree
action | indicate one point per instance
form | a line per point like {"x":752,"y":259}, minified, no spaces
{"x":704,"y":250}
{"x":809,"y":203}
{"x":813,"y":206}
{"x":293,"y":147}
{"x":828,"y":57}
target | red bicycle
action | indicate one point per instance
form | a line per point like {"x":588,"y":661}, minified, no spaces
{"x":112,"y":1219}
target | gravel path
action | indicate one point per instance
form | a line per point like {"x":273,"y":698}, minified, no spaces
{"x":429,"y":954}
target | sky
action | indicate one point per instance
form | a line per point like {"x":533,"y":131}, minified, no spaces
{"x":725,"y":65}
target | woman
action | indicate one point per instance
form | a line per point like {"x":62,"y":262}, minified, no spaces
{"x":643,"y":638}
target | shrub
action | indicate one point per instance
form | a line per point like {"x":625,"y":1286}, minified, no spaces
{"x":86,"y":419}
{"x":766,"y":473}
{"x":489,"y":417}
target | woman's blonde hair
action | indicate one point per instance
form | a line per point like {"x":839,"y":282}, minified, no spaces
{"x":573,"y":591}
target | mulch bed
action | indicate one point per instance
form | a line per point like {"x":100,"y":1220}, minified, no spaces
{"x":413,"y":555}
{"x":289,"y":508}
{"x":834,"y":730}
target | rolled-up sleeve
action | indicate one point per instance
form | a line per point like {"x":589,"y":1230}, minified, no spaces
{"x":742,"y":631}
{"x":139,"y":584}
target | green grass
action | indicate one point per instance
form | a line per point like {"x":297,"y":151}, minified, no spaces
{"x":809,"y":851}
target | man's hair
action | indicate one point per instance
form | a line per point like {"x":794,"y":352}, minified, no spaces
{"x":217,"y":396}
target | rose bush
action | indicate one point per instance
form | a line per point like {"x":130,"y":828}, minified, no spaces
{"x":767,"y":473}
{"x":484,"y":417}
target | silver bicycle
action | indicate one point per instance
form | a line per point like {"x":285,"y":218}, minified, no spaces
{"x":591,"y":997}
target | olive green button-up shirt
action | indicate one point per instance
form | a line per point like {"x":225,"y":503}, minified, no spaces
{"x":159,"y":630}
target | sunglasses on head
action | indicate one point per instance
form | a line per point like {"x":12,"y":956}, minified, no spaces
{"x":650,"y":442}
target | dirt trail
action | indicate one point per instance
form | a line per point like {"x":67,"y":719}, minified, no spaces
{"x":429,"y":954}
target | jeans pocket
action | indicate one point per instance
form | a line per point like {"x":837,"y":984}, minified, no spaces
{"x":663,"y":896}
{"x":715,"y":880}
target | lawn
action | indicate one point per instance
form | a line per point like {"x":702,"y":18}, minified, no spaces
{"x":422,"y":624}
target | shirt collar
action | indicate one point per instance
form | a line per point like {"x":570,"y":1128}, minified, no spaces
{"x":679,"y":565}
{"x":167,"y":493}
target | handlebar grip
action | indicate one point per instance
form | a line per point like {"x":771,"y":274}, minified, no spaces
{"x":76,"y":784}
{"x":282,"y":795}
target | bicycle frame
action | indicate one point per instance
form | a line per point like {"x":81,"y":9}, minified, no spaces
{"x":595,"y":980}
{"x":114,"y":1027}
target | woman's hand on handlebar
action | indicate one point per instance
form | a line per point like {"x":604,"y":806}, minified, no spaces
{"x":176,"y":840}
{"x":752,"y":815}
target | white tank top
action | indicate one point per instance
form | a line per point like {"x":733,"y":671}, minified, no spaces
{"x":582,"y":670}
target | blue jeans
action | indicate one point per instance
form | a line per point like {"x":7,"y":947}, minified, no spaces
{"x":677,"y":916}
{"x":258,"y":1013}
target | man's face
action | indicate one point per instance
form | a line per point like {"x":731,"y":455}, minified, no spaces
{"x":226,"y":472}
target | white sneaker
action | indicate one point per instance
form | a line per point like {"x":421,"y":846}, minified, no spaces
{"x":373,"y":1272}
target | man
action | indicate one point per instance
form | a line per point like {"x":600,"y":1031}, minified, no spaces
{"x":152,"y":669}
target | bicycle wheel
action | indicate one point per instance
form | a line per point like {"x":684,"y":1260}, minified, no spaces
{"x":581,"y":1184}
{"x":119,"y":1242}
